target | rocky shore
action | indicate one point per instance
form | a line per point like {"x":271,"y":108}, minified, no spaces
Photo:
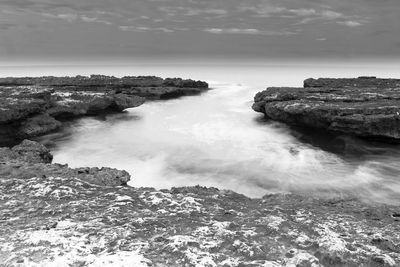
{"x":33,"y":106}
{"x":367,"y":107}
{"x":53,"y":215}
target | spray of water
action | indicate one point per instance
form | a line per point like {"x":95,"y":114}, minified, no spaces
{"x":215,"y":140}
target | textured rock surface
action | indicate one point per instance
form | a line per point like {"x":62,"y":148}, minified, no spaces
{"x":33,"y":106}
{"x":51,"y":221}
{"x":27,"y":152}
{"x":366,"y":106}
{"x":52,"y":215}
{"x":31,"y":159}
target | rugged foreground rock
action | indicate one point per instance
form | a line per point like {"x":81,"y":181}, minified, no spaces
{"x":34,"y":106}
{"x":365,"y":106}
{"x":31,"y":159}
{"x":69,"y":220}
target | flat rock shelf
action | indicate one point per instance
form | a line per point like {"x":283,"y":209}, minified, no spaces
{"x":366,"y":106}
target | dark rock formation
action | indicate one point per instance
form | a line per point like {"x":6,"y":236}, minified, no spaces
{"x":38,"y":125}
{"x":20,"y":102}
{"x":26,"y":152}
{"x":366,"y":106}
{"x":110,"y":82}
{"x":33,"y":106}
{"x":31,"y":159}
{"x":361,"y":82}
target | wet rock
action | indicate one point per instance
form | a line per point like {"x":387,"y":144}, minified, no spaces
{"x":38,"y":125}
{"x":366,"y":107}
{"x":102,"y":176}
{"x":32,"y":152}
{"x":31,"y":159}
{"x":123,"y":101}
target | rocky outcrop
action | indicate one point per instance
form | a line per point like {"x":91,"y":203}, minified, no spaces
{"x":360,"y":82}
{"x":51,"y":214}
{"x":49,"y":220}
{"x":33,"y":106}
{"x":26,"y":152}
{"x":109,"y":82}
{"x":31,"y":159}
{"x":366,"y":106}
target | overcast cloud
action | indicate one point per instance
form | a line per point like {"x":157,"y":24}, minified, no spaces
{"x":199,"y":28}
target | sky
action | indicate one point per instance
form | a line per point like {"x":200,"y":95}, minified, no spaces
{"x":230,"y":29}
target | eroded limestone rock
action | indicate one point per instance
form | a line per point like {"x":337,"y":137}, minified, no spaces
{"x":366,"y":107}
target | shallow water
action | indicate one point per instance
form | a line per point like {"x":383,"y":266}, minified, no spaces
{"x":216,"y":139}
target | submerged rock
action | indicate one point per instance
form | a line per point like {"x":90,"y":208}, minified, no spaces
{"x":366,"y":106}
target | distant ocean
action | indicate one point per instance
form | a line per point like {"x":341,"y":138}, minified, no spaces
{"x":216,"y":139}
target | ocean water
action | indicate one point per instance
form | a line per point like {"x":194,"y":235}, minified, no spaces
{"x":216,"y":139}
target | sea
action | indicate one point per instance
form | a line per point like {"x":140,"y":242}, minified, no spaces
{"x":215,"y":139}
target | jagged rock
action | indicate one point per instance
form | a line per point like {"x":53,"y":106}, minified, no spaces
{"x":20,"y":102}
{"x":31,"y":159}
{"x":102,"y":176}
{"x":192,"y":226}
{"x":365,"y":107}
{"x":27,"y":152}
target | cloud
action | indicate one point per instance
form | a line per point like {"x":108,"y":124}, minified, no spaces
{"x":266,"y":10}
{"x":144,"y":29}
{"x":246,"y":31}
{"x":303,"y":12}
{"x":330,"y":15}
{"x":69,"y":17}
{"x":94,"y":19}
{"x":191,"y":11}
{"x":195,"y":12}
{"x":350,"y":23}
{"x":38,"y":5}
{"x":75,"y":26}
{"x":232,"y":30}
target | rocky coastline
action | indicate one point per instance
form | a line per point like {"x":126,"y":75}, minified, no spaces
{"x":51,"y":214}
{"x":33,"y":106}
{"x":366,"y":107}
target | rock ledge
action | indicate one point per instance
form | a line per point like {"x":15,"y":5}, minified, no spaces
{"x":365,"y":106}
